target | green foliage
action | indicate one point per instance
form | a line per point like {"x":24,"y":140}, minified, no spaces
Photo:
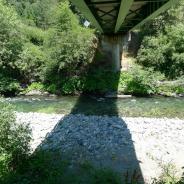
{"x":34,"y":13}
{"x":162,"y":46}
{"x":52,"y":88}
{"x":14,"y":140}
{"x":35,"y":86}
{"x":169,"y":176}
{"x":8,"y":86}
{"x":45,"y":43}
{"x":24,"y":9}
{"x":169,"y":88}
{"x":101,"y":81}
{"x":142,"y":82}
{"x":138,"y":82}
{"x":69,"y":48}
{"x":30,"y":62}
{"x":68,"y":44}
{"x":48,"y":168}
{"x":10,"y":37}
{"x":72,"y":85}
{"x":34,"y":35}
{"x":164,"y":52}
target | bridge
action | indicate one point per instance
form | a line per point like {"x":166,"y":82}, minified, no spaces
{"x":117,"y":17}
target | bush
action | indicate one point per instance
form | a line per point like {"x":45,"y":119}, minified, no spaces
{"x":54,"y":55}
{"x":52,"y":88}
{"x":35,"y":86}
{"x":138,"y":82}
{"x":35,"y":35}
{"x":45,"y":167}
{"x":11,"y":37}
{"x":68,"y":45}
{"x":14,"y":140}
{"x":170,"y":88}
{"x":169,"y":176}
{"x":30,"y":62}
{"x":8,"y":86}
{"x":164,"y":52}
{"x":101,"y":81}
{"x":141,"y":81}
{"x":72,"y":85}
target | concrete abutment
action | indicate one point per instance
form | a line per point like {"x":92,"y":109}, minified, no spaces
{"x":114,"y":47}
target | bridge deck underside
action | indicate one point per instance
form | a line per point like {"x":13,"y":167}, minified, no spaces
{"x":107,"y":13}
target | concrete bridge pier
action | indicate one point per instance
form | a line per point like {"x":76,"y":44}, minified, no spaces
{"x":113,"y":47}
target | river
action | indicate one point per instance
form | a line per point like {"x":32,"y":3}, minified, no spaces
{"x":131,"y":107}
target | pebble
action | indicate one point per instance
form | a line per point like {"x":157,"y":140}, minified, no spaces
{"x":137,"y":143}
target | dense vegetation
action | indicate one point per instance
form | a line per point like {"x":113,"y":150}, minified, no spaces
{"x":163,"y":43}
{"x":45,"y":45}
{"x":41,"y":43}
{"x":14,"y":140}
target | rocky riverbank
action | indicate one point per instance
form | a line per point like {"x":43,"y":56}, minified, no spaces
{"x":144,"y":144}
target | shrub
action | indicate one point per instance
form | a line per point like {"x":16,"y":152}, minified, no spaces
{"x":52,"y":88}
{"x":169,"y":176}
{"x":164,"y":52}
{"x":8,"y":86}
{"x":45,"y":167}
{"x":142,"y":81}
{"x":138,"y":82}
{"x":11,"y":37}
{"x":72,"y":85}
{"x":30,"y":62}
{"x":14,"y":140}
{"x":35,"y":35}
{"x":54,"y":55}
{"x":35,"y":86}
{"x":101,"y":81}
{"x":169,"y":88}
{"x":68,"y":45}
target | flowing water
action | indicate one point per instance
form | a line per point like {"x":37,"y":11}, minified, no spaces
{"x":131,"y":107}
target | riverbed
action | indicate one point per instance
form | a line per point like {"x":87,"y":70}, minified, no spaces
{"x":122,"y":134}
{"x":123,"y":144}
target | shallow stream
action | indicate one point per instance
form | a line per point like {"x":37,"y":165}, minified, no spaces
{"x":131,"y":107}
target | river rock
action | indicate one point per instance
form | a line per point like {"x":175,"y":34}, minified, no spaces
{"x":34,"y":93}
{"x":119,"y":143}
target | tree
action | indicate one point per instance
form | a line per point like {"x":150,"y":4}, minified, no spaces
{"x":163,"y":48}
{"x":11,"y":38}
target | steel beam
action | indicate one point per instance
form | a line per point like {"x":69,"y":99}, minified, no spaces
{"x":82,"y":6}
{"x":163,"y":8}
{"x":123,"y":11}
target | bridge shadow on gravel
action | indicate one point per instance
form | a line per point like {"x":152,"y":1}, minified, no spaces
{"x":104,"y":141}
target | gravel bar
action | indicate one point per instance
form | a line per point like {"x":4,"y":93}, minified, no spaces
{"x":120,"y":143}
